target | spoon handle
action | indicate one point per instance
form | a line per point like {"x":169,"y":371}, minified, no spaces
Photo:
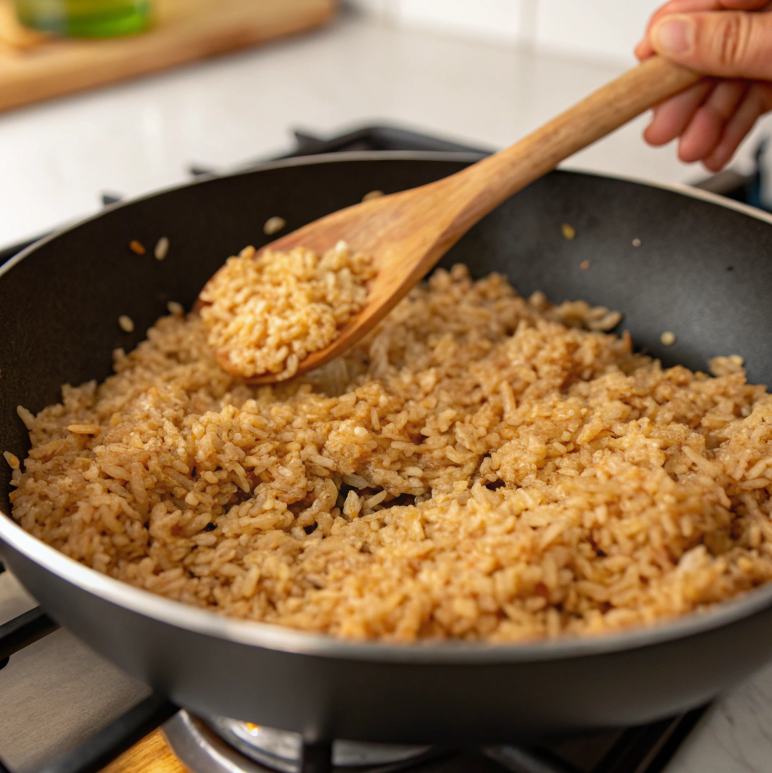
{"x":482,"y":187}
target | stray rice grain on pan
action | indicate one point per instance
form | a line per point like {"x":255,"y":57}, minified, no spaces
{"x":273,"y":225}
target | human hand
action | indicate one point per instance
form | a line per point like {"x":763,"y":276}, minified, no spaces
{"x":730,"y":40}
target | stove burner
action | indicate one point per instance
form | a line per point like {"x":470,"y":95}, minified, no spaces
{"x":227,"y":745}
{"x":282,"y":750}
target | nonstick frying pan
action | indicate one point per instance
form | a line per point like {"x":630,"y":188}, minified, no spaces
{"x":703,"y":270}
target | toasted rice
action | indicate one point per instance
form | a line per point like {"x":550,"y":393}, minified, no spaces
{"x":265,"y":313}
{"x":480,"y":468}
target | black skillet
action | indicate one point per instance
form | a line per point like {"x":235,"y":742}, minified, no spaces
{"x":703,"y":271}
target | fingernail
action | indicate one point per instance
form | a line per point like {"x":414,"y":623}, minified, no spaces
{"x":674,"y":35}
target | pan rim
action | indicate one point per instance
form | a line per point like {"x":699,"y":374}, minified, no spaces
{"x":278,"y":638}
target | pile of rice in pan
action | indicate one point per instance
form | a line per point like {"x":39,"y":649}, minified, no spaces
{"x":481,"y":467}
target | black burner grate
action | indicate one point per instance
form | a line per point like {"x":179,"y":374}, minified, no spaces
{"x":637,"y":750}
{"x":22,"y":631}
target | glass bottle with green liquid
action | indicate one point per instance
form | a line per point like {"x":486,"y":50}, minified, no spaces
{"x":85,"y":18}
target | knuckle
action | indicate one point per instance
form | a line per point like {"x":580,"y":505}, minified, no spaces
{"x":731,"y":39}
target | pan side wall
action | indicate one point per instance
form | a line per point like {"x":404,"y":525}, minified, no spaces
{"x":331,"y":697}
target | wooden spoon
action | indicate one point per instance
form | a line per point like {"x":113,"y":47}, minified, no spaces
{"x":408,"y":232}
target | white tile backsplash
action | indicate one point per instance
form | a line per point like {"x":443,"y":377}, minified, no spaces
{"x":596,"y":29}
{"x":602,"y":29}
{"x":493,"y":19}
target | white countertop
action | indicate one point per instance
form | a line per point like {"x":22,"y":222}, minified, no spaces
{"x":56,"y":158}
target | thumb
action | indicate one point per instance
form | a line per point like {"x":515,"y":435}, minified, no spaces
{"x":729,"y":44}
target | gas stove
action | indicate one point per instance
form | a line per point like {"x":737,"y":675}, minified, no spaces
{"x":66,"y":710}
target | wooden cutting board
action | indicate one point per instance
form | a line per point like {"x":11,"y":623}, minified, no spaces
{"x":35,"y":66}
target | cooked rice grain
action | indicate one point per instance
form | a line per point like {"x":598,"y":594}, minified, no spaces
{"x":667,"y":338}
{"x":162,"y":248}
{"x":273,"y":225}
{"x":480,"y":468}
